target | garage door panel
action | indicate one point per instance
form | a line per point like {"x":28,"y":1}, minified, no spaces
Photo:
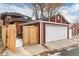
{"x":55,"y":32}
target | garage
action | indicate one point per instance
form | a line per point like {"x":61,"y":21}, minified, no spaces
{"x":56,"y":28}
{"x":48,"y":31}
{"x":55,"y":32}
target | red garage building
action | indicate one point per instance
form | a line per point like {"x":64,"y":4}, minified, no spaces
{"x":52,"y":29}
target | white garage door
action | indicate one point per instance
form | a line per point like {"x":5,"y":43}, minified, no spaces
{"x":55,"y":32}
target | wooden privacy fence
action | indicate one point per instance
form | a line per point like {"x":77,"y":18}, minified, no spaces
{"x":30,"y":35}
{"x":9,"y":37}
{"x":4,"y":36}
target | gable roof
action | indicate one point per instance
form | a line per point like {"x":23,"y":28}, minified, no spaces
{"x":11,"y":14}
{"x":22,"y":17}
{"x":20,"y":20}
{"x":58,"y":15}
{"x":63,"y":17}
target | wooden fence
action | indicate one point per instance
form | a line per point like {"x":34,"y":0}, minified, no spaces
{"x":30,"y":35}
{"x":4,"y":36}
{"x":9,"y":37}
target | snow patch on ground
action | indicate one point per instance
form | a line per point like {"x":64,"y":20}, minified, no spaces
{"x":19,"y":42}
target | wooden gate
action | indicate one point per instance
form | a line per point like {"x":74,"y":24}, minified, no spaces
{"x":11,"y":37}
{"x":30,"y":35}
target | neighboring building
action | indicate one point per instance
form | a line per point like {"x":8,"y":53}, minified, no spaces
{"x":58,"y":18}
{"x":49,"y":30}
{"x":14,"y":18}
{"x":75,"y":29}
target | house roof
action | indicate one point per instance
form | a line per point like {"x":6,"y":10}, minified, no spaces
{"x":11,"y":14}
{"x":63,"y":17}
{"x":58,"y":15}
{"x":20,"y":20}
{"x":21,"y":17}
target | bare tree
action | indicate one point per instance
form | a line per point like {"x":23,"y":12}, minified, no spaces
{"x":42,"y":7}
{"x":35,"y":10}
{"x":38,"y":10}
{"x":50,"y":8}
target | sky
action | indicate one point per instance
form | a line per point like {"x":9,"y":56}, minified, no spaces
{"x":70,"y":10}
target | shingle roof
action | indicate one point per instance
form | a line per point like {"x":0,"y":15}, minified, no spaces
{"x":21,"y":17}
{"x":11,"y":14}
